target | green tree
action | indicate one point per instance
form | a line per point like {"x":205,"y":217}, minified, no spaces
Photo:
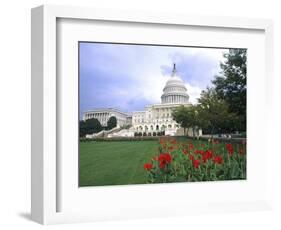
{"x":184,"y":116}
{"x":213,"y":113}
{"x":231,"y":84}
{"x":111,"y":123}
{"x":89,"y":126}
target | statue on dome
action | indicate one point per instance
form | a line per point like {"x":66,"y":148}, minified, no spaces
{"x":174,"y":70}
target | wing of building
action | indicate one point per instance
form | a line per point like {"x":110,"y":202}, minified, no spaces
{"x":103,"y":115}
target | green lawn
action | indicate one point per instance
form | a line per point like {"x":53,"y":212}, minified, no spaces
{"x":114,"y":163}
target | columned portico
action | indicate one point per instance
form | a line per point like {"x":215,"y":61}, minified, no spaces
{"x":103,"y":115}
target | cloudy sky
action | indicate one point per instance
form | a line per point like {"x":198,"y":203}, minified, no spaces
{"x":130,"y":77}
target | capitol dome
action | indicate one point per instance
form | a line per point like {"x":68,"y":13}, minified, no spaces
{"x":175,"y":91}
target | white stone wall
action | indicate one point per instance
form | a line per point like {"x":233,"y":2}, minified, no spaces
{"x":103,"y":116}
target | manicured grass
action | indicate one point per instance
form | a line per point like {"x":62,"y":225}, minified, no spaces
{"x":114,"y":163}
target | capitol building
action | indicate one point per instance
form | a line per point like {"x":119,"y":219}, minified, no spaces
{"x":155,"y":117}
{"x":158,"y":117}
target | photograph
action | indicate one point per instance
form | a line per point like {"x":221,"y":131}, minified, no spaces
{"x":151,"y":113}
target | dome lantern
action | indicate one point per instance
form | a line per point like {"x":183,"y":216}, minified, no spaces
{"x":175,"y":90}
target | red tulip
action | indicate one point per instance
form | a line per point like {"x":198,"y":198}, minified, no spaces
{"x":207,"y":155}
{"x":230,"y":149}
{"x":196,"y":163}
{"x":218,"y":159}
{"x":147,"y":166}
{"x":163,"y":159}
{"x":201,"y":152}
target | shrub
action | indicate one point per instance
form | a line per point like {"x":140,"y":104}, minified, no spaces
{"x":111,"y":123}
{"x":89,"y":126}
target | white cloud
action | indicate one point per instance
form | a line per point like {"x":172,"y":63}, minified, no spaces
{"x":138,"y":71}
{"x":193,"y":92}
{"x":150,"y":81}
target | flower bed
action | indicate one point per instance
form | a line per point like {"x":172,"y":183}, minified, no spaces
{"x":191,"y":160}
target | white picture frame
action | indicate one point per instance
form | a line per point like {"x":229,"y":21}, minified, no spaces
{"x":46,"y":182}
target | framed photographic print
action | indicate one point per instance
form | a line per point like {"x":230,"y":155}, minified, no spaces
{"x":139,"y":120}
{"x":129,"y":108}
